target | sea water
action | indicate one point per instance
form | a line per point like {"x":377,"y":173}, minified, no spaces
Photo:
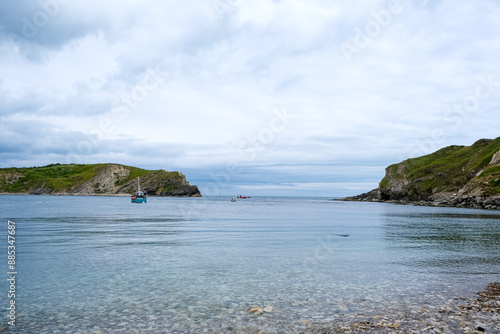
{"x":194,"y":265}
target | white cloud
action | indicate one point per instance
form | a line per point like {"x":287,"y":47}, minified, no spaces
{"x":224,"y":67}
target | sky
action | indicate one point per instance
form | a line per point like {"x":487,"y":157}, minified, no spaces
{"x":252,"y":97}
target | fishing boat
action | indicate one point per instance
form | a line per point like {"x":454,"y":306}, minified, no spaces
{"x":239,"y":196}
{"x":139,"y":196}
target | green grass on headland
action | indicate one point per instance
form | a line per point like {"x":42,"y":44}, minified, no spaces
{"x":58,"y":177}
{"x":450,"y":168}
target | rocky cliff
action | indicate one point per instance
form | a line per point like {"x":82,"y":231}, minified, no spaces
{"x":98,"y":179}
{"x":460,"y":176}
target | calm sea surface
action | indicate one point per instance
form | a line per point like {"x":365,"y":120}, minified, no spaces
{"x":193,"y":265}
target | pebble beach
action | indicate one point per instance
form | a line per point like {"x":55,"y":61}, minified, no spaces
{"x":458,"y":315}
{"x":480,"y":314}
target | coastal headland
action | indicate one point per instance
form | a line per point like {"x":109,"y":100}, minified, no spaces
{"x":93,"y":179}
{"x":455,"y":176}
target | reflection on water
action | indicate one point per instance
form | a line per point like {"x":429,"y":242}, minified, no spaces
{"x":88,"y":262}
{"x":446,"y":242}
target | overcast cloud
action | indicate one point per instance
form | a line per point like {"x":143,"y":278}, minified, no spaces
{"x":260,"y":97}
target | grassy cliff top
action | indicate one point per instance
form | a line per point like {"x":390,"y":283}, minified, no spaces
{"x":450,"y":168}
{"x":59,"y":177}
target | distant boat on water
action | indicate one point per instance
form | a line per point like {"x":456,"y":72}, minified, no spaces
{"x":139,"y":196}
{"x":243,"y":197}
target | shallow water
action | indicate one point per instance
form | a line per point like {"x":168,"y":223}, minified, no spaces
{"x":90,"y":264}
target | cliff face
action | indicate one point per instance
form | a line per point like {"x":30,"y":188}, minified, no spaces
{"x":100,"y":179}
{"x":462,"y":176}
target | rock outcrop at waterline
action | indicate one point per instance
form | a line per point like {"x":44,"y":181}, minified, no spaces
{"x":98,"y":179}
{"x":457,"y":176}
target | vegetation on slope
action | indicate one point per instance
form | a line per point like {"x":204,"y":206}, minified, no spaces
{"x":60,"y":179}
{"x":449,"y":169}
{"x":56,"y":176}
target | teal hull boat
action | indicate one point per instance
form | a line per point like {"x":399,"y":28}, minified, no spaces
{"x":138,"y":199}
{"x":139,"y":196}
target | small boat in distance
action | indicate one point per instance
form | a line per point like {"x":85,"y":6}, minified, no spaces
{"x":239,"y":196}
{"x":139,"y":196}
{"x":233,"y":199}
